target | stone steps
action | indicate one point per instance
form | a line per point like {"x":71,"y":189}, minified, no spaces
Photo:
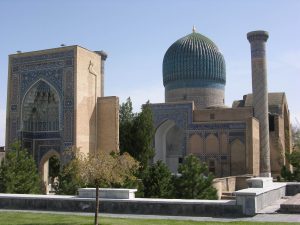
{"x":292,"y":205}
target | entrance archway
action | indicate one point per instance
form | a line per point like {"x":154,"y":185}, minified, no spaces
{"x":168,"y":144}
{"x":49,"y":168}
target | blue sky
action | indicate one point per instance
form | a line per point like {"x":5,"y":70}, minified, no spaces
{"x":136,"y":34}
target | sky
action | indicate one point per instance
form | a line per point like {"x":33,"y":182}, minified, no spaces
{"x":137,"y":33}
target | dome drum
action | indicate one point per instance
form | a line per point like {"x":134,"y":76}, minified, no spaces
{"x":202,"y":97}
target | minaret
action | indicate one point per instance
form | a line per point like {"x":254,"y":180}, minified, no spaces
{"x":257,"y":41}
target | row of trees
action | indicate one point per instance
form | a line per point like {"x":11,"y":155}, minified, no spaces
{"x":131,"y":168}
{"x":18,"y":172}
{"x":193,"y":181}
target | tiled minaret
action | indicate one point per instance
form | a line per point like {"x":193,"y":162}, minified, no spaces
{"x":257,"y":41}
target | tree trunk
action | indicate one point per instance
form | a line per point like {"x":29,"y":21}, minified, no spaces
{"x":97,"y":205}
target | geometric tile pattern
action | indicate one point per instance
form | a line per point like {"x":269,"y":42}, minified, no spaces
{"x":56,"y":69}
{"x":182,"y":115}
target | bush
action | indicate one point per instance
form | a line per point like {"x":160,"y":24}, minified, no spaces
{"x":18,"y":172}
{"x":194,"y":181}
{"x":157,"y":181}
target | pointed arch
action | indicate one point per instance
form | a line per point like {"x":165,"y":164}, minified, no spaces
{"x":237,"y":157}
{"x":211,"y":144}
{"x":41,"y":108}
{"x":195,"y":144}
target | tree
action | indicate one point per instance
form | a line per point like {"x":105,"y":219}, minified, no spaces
{"x":157,"y":181}
{"x":18,"y":172}
{"x":126,"y":126}
{"x":143,"y":133}
{"x":137,"y":132}
{"x":293,"y":158}
{"x":194,"y":181}
{"x":103,"y":169}
{"x":296,"y":137}
{"x":69,"y":179}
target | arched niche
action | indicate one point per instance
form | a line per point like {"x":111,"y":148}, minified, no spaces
{"x":237,"y":157}
{"x":212,"y":144}
{"x":169,"y":141}
{"x":160,"y":140}
{"x":40,"y":108}
{"x":196,"y":144}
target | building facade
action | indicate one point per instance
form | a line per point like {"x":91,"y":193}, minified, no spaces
{"x":56,"y":100}
{"x":194,"y":119}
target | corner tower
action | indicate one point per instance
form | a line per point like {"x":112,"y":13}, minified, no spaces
{"x":194,"y":70}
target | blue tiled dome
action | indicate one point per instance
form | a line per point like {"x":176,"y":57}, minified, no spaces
{"x":193,"y":61}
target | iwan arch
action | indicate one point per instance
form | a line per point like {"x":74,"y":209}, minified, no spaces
{"x":56,"y":100}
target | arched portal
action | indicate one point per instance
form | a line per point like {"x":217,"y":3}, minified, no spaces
{"x":40,"y":111}
{"x":169,"y":140}
{"x":48,"y":168}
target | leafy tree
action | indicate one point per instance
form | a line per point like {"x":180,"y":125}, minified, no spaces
{"x":126,"y":125}
{"x":143,"y":133}
{"x":293,"y":158}
{"x":18,"y":172}
{"x":194,"y":181}
{"x":136,"y":133}
{"x":104,"y":169}
{"x":69,"y":179}
{"x":296,"y":137}
{"x":157,"y":181}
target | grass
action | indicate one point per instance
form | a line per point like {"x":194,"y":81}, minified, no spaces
{"x":21,"y":218}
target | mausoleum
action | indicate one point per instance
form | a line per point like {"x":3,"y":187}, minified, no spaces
{"x":195,"y":120}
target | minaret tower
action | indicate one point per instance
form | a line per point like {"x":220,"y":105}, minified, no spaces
{"x":258,"y":41}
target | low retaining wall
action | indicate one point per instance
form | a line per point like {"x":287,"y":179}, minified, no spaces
{"x":254,"y":199}
{"x":292,"y":188}
{"x":173,"y":207}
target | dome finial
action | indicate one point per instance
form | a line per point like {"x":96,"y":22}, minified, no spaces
{"x":194,"y":29}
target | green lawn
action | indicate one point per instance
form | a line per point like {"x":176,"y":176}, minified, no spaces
{"x":18,"y":218}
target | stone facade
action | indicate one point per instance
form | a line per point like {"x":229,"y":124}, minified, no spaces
{"x":279,"y":128}
{"x":53,"y":100}
{"x":224,"y":138}
{"x":227,"y":139}
{"x":194,"y":120}
{"x":202,"y":97}
{"x":108,"y":124}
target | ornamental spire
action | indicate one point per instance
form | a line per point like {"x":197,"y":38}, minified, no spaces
{"x":194,"y":29}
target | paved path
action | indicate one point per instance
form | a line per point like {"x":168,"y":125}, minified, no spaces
{"x":261,"y":217}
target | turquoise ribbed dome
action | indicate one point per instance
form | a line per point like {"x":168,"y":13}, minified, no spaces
{"x":193,"y":61}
